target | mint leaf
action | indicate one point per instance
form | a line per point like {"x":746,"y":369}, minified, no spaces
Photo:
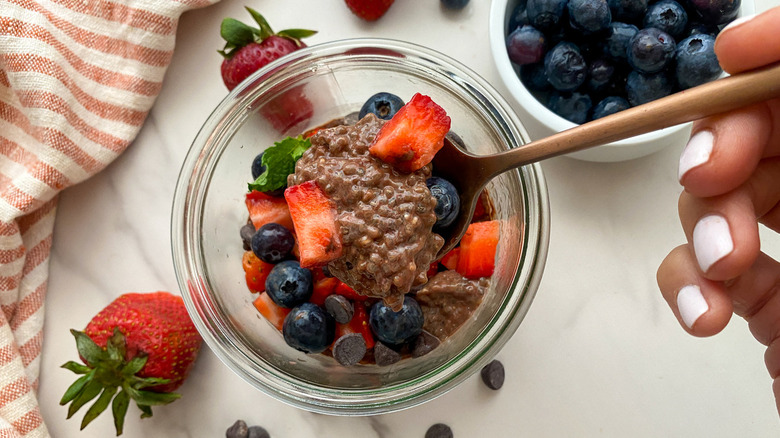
{"x":279,"y":161}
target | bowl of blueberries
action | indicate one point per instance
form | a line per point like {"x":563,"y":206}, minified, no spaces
{"x":305,"y":241}
{"x":567,"y":62}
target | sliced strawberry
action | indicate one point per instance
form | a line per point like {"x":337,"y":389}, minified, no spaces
{"x":347,"y":292}
{"x":480,"y":211}
{"x":478,"y":250}
{"x":264,"y":209}
{"x":358,"y":324}
{"x":322,"y":289}
{"x":314,"y":220}
{"x":450,"y":260}
{"x":273,"y":312}
{"x":256,"y":271}
{"x":412,"y":137}
{"x":432,"y":269}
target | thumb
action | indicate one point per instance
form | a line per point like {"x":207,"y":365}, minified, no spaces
{"x":749,"y":42}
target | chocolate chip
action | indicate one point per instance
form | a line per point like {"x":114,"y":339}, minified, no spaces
{"x":384,"y":355}
{"x":326,"y":271}
{"x":349,"y":349}
{"x":258,"y":432}
{"x":493,"y":375}
{"x":424,"y":343}
{"x":237,"y":430}
{"x":247,"y":231}
{"x":439,"y":430}
{"x":339,"y":308}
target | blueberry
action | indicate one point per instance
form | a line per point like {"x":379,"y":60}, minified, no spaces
{"x":396,"y":327}
{"x":545,"y":15}
{"x":642,"y":88}
{"x":716,"y":11}
{"x":601,"y":73}
{"x":288,"y":284}
{"x":615,"y":45}
{"x":447,"y":201}
{"x":308,"y":328}
{"x":382,"y":105}
{"x":454,"y":4}
{"x":627,"y":10}
{"x":650,"y":50}
{"x":246,"y":232}
{"x":525,"y":45}
{"x":565,"y":67}
{"x":518,"y":17}
{"x":698,"y":28}
{"x":257,"y":165}
{"x":668,"y":16}
{"x":589,"y":16}
{"x":610,"y":105}
{"x":574,"y":107}
{"x":272,"y":243}
{"x":533,"y":77}
{"x":696,"y":61}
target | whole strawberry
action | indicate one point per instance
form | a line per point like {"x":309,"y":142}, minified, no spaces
{"x":141,"y":348}
{"x":248,"y":48}
{"x":369,"y":10}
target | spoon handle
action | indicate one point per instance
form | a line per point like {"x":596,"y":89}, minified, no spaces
{"x":715,"y":97}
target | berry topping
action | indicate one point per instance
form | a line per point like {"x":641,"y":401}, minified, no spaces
{"x":447,"y":201}
{"x":412,"y":137}
{"x":589,"y":16}
{"x":477,"y":256}
{"x":256,"y":271}
{"x":271,"y":311}
{"x":716,"y":11}
{"x":565,"y":67}
{"x":314,"y":219}
{"x":668,"y":16}
{"x":616,"y":44}
{"x":610,"y":105}
{"x":264,"y":209}
{"x":308,"y":328}
{"x":696,"y":61}
{"x":383,"y":105}
{"x":273,"y":243}
{"x":573,"y":107}
{"x":650,"y":50}
{"x":526,"y":45}
{"x":369,"y":10}
{"x":289,"y":284}
{"x":395,"y":328}
{"x":545,"y":15}
{"x":627,"y":10}
{"x":642,"y":88}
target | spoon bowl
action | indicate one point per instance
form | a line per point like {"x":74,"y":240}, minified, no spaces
{"x":470,"y":173}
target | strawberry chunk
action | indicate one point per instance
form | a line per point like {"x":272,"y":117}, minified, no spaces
{"x":347,"y":292}
{"x":322,"y":289}
{"x":314,"y":219}
{"x":412,"y":137}
{"x":450,"y":260}
{"x":273,"y":312}
{"x":256,"y":271}
{"x":358,"y":324}
{"x":264,"y":209}
{"x":478,"y":250}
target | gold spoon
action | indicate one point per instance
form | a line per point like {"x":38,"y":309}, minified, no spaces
{"x":470,"y":173}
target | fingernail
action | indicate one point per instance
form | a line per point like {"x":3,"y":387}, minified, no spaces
{"x":691,"y":304}
{"x":737,"y":22}
{"x":696,"y":152}
{"x":711,"y":240}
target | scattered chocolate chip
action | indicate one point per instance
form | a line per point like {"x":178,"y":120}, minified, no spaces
{"x":424,"y":343}
{"x":326,"y":271}
{"x":349,"y":349}
{"x":339,"y":308}
{"x":237,"y":430}
{"x":439,"y":430}
{"x":493,"y":375}
{"x":247,"y":231}
{"x":384,"y":355}
{"x":258,"y":432}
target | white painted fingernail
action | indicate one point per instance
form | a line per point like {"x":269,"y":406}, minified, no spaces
{"x":696,"y":152}
{"x":711,"y":240}
{"x":691,"y":304}
{"x":738,"y":21}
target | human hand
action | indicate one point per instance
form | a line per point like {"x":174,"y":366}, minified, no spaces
{"x":731,"y":173}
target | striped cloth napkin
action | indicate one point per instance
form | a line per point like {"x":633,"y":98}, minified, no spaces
{"x":77,"y":79}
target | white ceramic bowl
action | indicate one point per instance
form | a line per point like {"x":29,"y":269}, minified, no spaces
{"x":541,"y":122}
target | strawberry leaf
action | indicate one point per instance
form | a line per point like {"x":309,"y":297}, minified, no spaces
{"x":145,"y":382}
{"x":119,"y":410}
{"x":279,"y":161}
{"x":88,"y":349}
{"x":135,"y":365}
{"x":90,"y":391}
{"x":236,"y":33}
{"x":76,"y":367}
{"x":146,"y":410}
{"x":296,"y":34}
{"x":99,"y":406}
{"x":75,"y":388}
{"x":265,"y":28}
{"x":151,"y":398}
{"x":115,"y":345}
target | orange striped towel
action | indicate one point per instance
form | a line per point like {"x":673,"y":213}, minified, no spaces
{"x":77,"y":79}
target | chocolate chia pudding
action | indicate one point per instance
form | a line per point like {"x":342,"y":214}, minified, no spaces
{"x":448,"y":300}
{"x":385,"y":216}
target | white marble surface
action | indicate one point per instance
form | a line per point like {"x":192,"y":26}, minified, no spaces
{"x":599,"y":353}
